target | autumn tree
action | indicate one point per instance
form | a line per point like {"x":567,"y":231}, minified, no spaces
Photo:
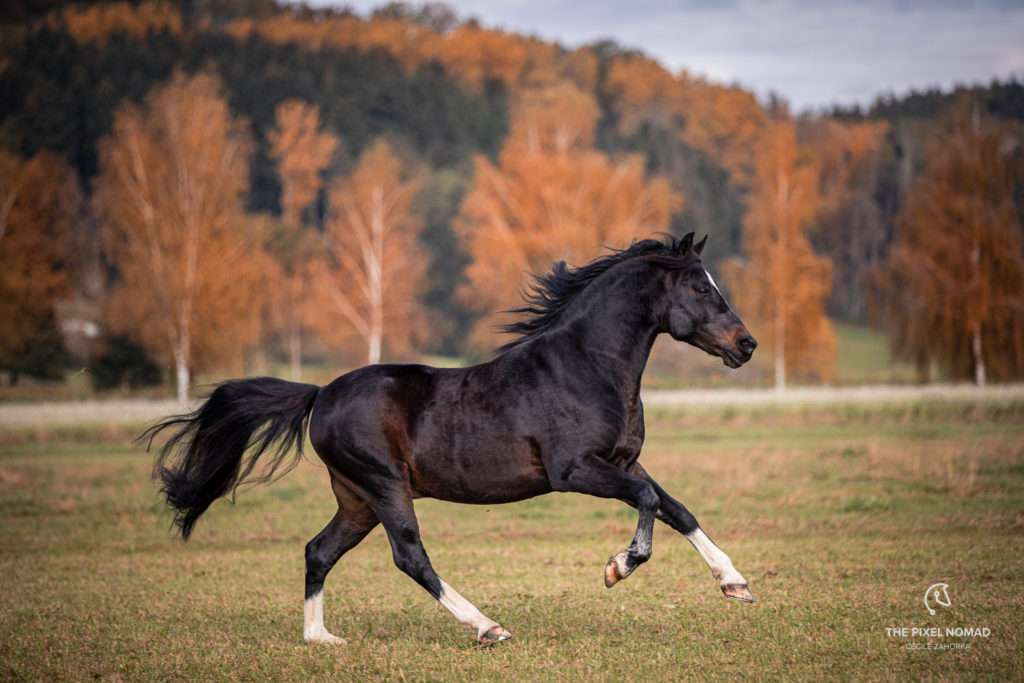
{"x":721,"y":121}
{"x":34,"y":237}
{"x":173,"y":173}
{"x":365,"y":289}
{"x":850,"y":227}
{"x":302,"y":152}
{"x":551,"y":197}
{"x":96,"y":23}
{"x":952,"y":288}
{"x":781,"y":284}
{"x":555,"y":116}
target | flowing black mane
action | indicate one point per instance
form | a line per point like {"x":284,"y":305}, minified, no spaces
{"x":550,"y":294}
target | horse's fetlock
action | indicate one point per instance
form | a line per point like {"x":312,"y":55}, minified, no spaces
{"x":638,"y":557}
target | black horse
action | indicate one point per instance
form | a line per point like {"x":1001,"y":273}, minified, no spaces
{"x":557,"y":410}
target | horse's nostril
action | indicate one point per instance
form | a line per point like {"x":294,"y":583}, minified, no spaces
{"x":747,"y":344}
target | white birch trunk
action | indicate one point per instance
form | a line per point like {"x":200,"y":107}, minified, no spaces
{"x":295,"y":350}
{"x":979,"y":359}
{"x":976,"y":346}
{"x":780,"y":349}
{"x":782,"y":182}
{"x":376,"y":335}
{"x":182,"y":375}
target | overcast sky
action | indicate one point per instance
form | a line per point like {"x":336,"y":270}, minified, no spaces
{"x":812,"y":53}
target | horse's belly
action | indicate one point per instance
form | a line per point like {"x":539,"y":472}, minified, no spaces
{"x":501,"y":474}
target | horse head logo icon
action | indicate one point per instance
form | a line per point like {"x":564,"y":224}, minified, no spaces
{"x":937,"y":594}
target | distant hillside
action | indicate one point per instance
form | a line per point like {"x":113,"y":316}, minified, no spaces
{"x":442,"y":91}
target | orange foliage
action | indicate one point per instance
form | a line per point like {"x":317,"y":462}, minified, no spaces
{"x":96,"y":23}
{"x":172,"y":178}
{"x":724,"y":121}
{"x":476,"y":54}
{"x":581,"y":67}
{"x":302,"y":152}
{"x":843,"y":150}
{"x":720,"y":120}
{"x":472,"y":53}
{"x":546,"y":203}
{"x":782,"y":285}
{"x":557,"y":118}
{"x":364,"y":291}
{"x":952,"y":289}
{"x":410,"y":43}
{"x":34,"y":236}
{"x":645,"y":89}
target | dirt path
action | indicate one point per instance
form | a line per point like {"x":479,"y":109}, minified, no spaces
{"x":834,"y":395}
{"x":139,"y":411}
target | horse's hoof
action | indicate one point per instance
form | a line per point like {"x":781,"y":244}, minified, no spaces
{"x":738,"y":591}
{"x":325,"y":638}
{"x":493,"y":635}
{"x":616,"y":570}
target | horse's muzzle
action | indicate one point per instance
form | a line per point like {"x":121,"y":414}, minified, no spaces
{"x":740,"y":351}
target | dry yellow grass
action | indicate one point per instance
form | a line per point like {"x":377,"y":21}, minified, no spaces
{"x":840,"y":518}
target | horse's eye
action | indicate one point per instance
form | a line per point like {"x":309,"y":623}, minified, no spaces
{"x":702,"y":289}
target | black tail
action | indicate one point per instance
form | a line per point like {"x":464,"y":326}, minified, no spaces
{"x":206,"y":457}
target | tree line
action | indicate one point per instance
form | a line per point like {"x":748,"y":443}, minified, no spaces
{"x":249,"y":179}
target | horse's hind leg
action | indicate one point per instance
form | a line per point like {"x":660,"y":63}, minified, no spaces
{"x":399,"y":519}
{"x":350,"y":525}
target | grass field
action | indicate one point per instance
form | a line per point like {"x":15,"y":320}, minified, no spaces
{"x":839,"y":517}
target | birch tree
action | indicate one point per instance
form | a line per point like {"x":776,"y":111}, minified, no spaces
{"x":172,"y":177}
{"x":34,"y":238}
{"x":302,"y":152}
{"x":781,"y":284}
{"x":366,"y":286}
{"x":952,"y":288}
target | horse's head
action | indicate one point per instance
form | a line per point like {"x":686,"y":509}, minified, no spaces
{"x":696,"y":312}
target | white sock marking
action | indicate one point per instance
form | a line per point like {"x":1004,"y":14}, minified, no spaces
{"x":719,"y":563}
{"x":313,"y":629}
{"x":465,"y":611}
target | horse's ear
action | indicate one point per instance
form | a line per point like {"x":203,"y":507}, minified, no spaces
{"x":685,"y":244}
{"x":699,"y":247}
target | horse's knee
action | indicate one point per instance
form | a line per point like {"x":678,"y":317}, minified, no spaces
{"x":647,"y":498}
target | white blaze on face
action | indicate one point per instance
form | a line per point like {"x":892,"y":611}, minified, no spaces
{"x":715,"y":285}
{"x":712,"y":281}
{"x":716,"y":559}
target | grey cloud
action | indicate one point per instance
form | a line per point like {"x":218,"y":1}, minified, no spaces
{"x":813,"y":54}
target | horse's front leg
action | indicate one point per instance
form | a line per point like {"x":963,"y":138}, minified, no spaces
{"x":675,"y":514}
{"x":593,"y":476}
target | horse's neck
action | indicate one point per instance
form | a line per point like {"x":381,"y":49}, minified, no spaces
{"x":616,"y":328}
